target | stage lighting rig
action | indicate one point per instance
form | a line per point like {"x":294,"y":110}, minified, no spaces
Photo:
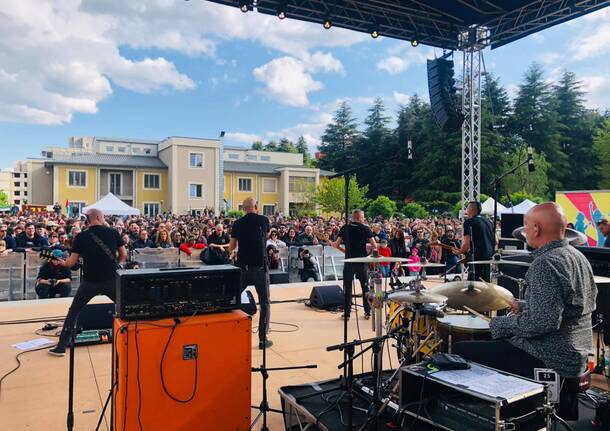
{"x":327,"y":23}
{"x":244,"y":5}
{"x":414,"y":43}
{"x":374,"y":32}
{"x":281,"y":10}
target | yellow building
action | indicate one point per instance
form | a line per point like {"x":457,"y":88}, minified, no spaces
{"x":178,"y":174}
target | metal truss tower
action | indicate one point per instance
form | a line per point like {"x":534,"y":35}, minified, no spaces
{"x":472,"y":43}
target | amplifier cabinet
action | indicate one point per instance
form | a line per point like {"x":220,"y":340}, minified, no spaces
{"x":478,"y":399}
{"x":201,"y":382}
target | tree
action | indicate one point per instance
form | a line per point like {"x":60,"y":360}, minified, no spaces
{"x":3,"y":199}
{"x":258,"y":146}
{"x":302,"y":148}
{"x":381,"y":206}
{"x":518,"y":197}
{"x":286,"y":146}
{"x":414,"y":210}
{"x":337,"y":140}
{"x":535,"y":183}
{"x":331,"y":195}
{"x":601,"y":145}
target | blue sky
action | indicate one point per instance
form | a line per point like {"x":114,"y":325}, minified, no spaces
{"x":156,"y":68}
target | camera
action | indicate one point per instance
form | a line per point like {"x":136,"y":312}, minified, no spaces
{"x":53,"y":282}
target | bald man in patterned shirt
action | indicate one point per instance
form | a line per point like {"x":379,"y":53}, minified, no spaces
{"x":551,"y":328}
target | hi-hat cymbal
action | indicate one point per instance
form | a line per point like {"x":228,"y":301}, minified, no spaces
{"x":415,"y":297}
{"x":375,"y":259}
{"x":479,"y":296}
{"x":424,"y":265}
{"x":500,"y":262}
{"x":573,"y":236}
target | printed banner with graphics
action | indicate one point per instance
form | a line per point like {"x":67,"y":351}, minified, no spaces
{"x":584,"y":209}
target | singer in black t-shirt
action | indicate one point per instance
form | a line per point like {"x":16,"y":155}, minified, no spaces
{"x":479,"y":242}
{"x":249,"y":236}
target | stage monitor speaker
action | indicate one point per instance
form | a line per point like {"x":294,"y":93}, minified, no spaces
{"x":96,"y":316}
{"x":443,"y":95}
{"x":510,"y":222}
{"x":325,"y":297}
{"x":192,"y":375}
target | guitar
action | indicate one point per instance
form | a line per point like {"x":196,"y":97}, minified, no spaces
{"x":448,"y":248}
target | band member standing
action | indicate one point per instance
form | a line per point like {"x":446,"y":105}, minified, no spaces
{"x":98,"y":245}
{"x":479,"y":241}
{"x":249,"y":236}
{"x":358,"y":236}
{"x":552,"y":327}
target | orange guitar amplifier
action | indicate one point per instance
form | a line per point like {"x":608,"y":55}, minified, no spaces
{"x":192,"y":375}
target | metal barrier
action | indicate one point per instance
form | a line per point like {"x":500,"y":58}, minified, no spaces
{"x":11,"y":276}
{"x":157,"y":257}
{"x":333,"y":263}
{"x":33,"y":262}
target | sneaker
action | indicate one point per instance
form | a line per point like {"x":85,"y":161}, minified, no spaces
{"x":367,"y":316}
{"x":343,"y":317}
{"x":58,"y":351}
{"x":266,"y":343}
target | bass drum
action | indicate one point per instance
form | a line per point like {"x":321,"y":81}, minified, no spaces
{"x":402,"y":323}
{"x":461,"y":327}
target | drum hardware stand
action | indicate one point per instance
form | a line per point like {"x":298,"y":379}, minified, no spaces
{"x":599,"y":367}
{"x":74,"y":331}
{"x":264,"y":405}
{"x":520,"y":283}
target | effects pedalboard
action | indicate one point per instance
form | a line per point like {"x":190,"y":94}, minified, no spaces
{"x":173,"y":292}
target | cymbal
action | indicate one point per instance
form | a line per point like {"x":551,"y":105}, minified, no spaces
{"x":375,"y":259}
{"x":500,"y":262}
{"x":479,"y":296}
{"x":513,"y":252}
{"x":573,"y":236}
{"x":415,"y":297}
{"x":424,"y":265}
{"x":600,"y":279}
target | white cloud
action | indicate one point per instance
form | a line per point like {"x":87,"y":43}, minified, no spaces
{"x":401,"y":98}
{"x":537,"y":37}
{"x":549,"y":57}
{"x":595,"y":43}
{"x":247,"y":138}
{"x":324,"y":62}
{"x":402,"y":56}
{"x":597,"y":90}
{"x":393,"y":65}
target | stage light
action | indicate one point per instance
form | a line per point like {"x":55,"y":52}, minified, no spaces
{"x":414,"y":43}
{"x":281,"y":10}
{"x":327,"y":23}
{"x":374,"y":32}
{"x":243,"y":5}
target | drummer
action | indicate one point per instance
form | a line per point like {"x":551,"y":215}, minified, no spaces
{"x":552,"y":327}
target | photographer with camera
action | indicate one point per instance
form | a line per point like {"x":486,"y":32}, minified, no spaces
{"x":309,"y":268}
{"x":54,"y":278}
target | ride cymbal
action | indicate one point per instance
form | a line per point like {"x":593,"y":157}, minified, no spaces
{"x":480,"y":296}
{"x":415,"y":297}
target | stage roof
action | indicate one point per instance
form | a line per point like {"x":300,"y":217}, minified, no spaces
{"x":435,"y":23}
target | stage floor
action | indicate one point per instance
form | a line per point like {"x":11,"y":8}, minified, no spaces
{"x":36,"y":396}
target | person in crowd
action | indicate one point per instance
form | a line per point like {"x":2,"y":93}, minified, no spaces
{"x":449,"y":256}
{"x":53,"y":278}
{"x":274,"y":240}
{"x":177,"y":239}
{"x":604,"y":227}
{"x":291,"y":238}
{"x":7,"y":237}
{"x":219,"y":240}
{"x":307,"y":237}
{"x":102,"y":250}
{"x":385,"y":251}
{"x":273,"y":256}
{"x":378,"y":232}
{"x":422,"y":244}
{"x":134,"y":232}
{"x":29,"y":239}
{"x":479,"y":241}
{"x":143,"y":241}
{"x":397,"y":244}
{"x":162,"y":240}
{"x":281,"y":232}
{"x":436,"y":250}
{"x":309,"y":268}
{"x":249,"y":237}
{"x":414,"y":259}
{"x":398,"y":270}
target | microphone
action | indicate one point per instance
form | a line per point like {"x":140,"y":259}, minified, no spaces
{"x":184,"y":249}
{"x":530,"y":159}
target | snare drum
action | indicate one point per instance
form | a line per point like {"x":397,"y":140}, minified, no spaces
{"x":461,"y":327}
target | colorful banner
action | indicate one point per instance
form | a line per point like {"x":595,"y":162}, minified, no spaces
{"x":584,"y":209}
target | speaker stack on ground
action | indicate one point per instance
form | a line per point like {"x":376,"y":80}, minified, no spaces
{"x":326,"y":297}
{"x":182,"y":350}
{"x":443,"y":95}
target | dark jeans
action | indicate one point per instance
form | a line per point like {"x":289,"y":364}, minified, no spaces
{"x":259,"y":277}
{"x":360,"y":271}
{"x":45,"y":291}
{"x":308,"y":273}
{"x":500,"y":355}
{"x":480,"y":271}
{"x":86,"y":291}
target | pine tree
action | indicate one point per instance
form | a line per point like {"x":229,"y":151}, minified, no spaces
{"x":302,"y":148}
{"x":338,"y":139}
{"x":601,"y":145}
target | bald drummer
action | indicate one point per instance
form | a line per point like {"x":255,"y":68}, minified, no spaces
{"x":551,"y":328}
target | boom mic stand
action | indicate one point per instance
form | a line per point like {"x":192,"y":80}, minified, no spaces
{"x":70,"y":416}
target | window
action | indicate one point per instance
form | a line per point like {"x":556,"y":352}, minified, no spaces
{"x":300,"y":184}
{"x":196,"y":213}
{"x":266,"y":158}
{"x":25,"y":175}
{"x":136,"y":150}
{"x":17,"y":184}
{"x":152,"y":209}
{"x":114,"y":183}
{"x":269,"y":185}
{"x":25,"y":184}
{"x":195,"y":191}
{"x":249,"y":157}
{"x":109,"y":148}
{"x":268,"y":210}
{"x":196,"y":160}
{"x":25,"y":193}
{"x":122,"y":149}
{"x":147,"y":150}
{"x":245,"y":184}
{"x":17,"y":193}
{"x":17,"y":201}
{"x":16,"y":174}
{"x":152,"y":181}
{"x":233,"y":156}
{"x":77,"y":178}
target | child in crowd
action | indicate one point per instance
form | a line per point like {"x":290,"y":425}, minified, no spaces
{"x":397,"y":270}
{"x":385,"y":251}
{"x":414,"y":270}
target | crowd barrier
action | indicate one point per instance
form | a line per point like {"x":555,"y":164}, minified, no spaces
{"x":18,"y":271}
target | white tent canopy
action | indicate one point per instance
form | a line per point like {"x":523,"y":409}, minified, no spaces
{"x":111,"y":205}
{"x":521,"y":208}
{"x":487,"y":207}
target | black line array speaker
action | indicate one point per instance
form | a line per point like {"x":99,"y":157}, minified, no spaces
{"x":510,"y":222}
{"x":443,"y":95}
{"x":325,"y":297}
